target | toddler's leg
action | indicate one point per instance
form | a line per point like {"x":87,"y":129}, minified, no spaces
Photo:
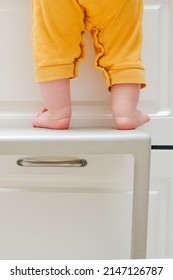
{"x":57,"y":111}
{"x":124,"y":100}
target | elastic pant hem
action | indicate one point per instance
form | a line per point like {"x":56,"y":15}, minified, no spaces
{"x":126,"y":76}
{"x":55,"y":72}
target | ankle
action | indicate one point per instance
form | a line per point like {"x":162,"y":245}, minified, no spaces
{"x":123,"y":113}
{"x":60,"y":113}
{"x":124,"y":99}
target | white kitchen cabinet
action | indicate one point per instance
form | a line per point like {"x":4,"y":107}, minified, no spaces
{"x":64,"y":213}
{"x":84,"y":213}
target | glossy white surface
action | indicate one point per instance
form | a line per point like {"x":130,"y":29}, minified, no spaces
{"x":100,"y":142}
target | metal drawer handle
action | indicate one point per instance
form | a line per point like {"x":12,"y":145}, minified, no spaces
{"x":51,"y":163}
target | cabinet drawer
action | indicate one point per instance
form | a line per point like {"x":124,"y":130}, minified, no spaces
{"x":66,"y":212}
{"x":44,"y":169}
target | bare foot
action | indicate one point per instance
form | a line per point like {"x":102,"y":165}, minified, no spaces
{"x":131,"y":122}
{"x":51,"y":121}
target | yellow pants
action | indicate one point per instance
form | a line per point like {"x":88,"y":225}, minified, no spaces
{"x":116,"y":29}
